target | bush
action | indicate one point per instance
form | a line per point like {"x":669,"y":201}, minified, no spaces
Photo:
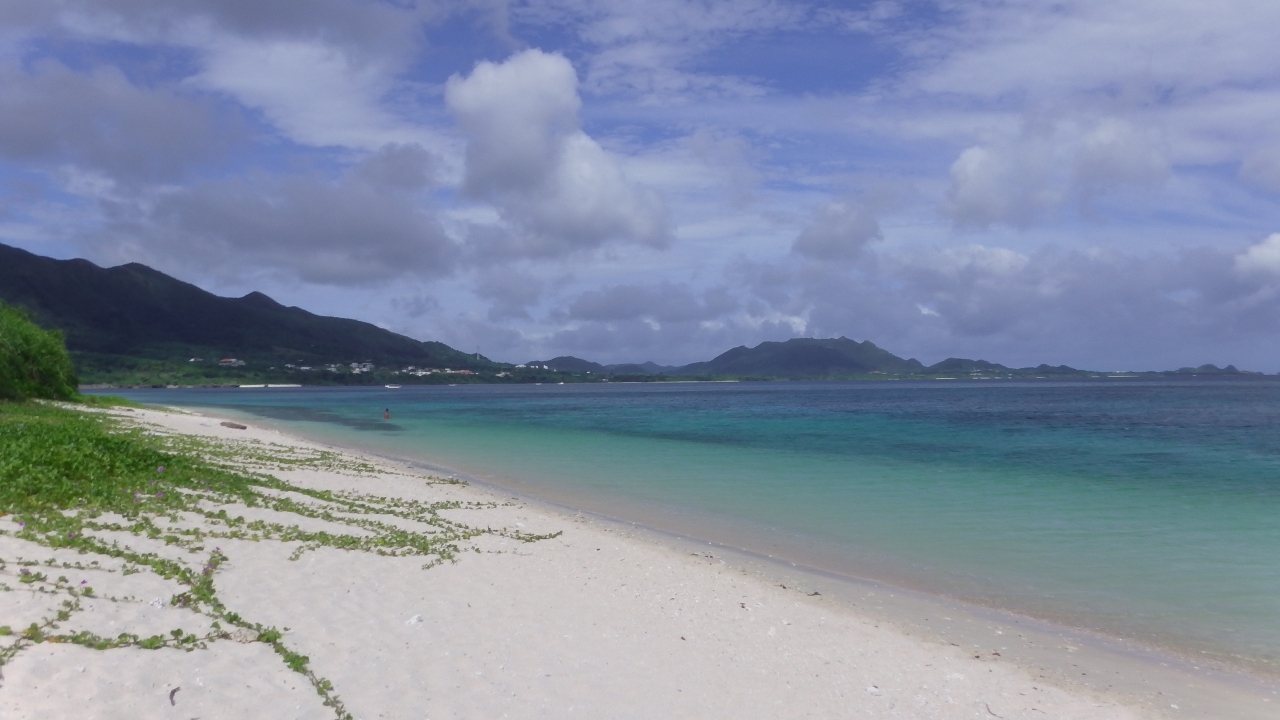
{"x":33,"y":361}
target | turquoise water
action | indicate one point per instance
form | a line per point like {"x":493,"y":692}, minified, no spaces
{"x":1144,"y":509}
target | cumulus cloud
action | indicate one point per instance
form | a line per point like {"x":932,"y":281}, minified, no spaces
{"x":319,"y":70}
{"x":315,"y":92}
{"x":1115,"y":153}
{"x":1093,"y":308}
{"x":666,"y":302}
{"x":978,"y":290}
{"x":840,"y":230}
{"x":1261,"y":259}
{"x":1000,"y":184}
{"x":404,"y":166}
{"x":366,"y":226}
{"x":1001,"y":114}
{"x":1022,"y":179}
{"x":54,"y":115}
{"x":511,"y":292}
{"x":993,"y":61}
{"x":526,"y":154}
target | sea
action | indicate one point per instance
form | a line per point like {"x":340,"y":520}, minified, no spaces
{"x":1143,"y":509}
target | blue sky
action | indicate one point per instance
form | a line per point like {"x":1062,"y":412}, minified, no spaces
{"x":1085,"y":182}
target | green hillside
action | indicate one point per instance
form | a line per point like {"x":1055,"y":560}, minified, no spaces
{"x":135,"y":320}
{"x":805,"y":357}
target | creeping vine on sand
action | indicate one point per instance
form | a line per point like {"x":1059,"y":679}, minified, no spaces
{"x":70,"y":479}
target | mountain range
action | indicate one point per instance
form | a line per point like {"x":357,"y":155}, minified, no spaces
{"x":121,"y":316}
{"x":810,"y":358}
{"x":135,"y":311}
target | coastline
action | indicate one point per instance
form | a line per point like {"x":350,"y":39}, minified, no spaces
{"x":1156,"y":681}
{"x":615,"y":620}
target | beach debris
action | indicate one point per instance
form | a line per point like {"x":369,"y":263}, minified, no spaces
{"x":814,"y":593}
{"x":874,"y":690}
{"x":156,"y":602}
{"x":993,"y":713}
{"x":244,"y":635}
{"x":171,"y":694}
{"x":414,"y":620}
{"x":233,"y":426}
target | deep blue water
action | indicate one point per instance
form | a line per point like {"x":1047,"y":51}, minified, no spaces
{"x":1146,"y":509}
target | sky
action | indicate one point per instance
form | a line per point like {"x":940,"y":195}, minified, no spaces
{"x":1085,"y":182}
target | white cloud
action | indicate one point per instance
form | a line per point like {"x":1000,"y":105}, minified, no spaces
{"x":511,"y":291}
{"x":527,"y":154}
{"x":1001,"y":184}
{"x":1028,"y":177}
{"x":1263,"y":258}
{"x":1116,"y":153}
{"x":366,"y":226}
{"x":99,"y":120}
{"x":840,"y":230}
{"x":315,"y":93}
{"x":1126,"y":50}
{"x":648,"y":50}
{"x":665,"y":302}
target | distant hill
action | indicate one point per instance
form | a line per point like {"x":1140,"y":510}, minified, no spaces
{"x":961,"y":365}
{"x":969,"y":367}
{"x":811,"y":358}
{"x":805,"y":357}
{"x":133,"y":310}
{"x":1212,"y":370}
{"x":568,"y":363}
{"x":644,"y":368}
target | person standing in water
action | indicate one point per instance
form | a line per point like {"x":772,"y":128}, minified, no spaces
{"x":386,"y":414}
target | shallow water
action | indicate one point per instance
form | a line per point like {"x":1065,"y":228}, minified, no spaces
{"x":1143,"y":509}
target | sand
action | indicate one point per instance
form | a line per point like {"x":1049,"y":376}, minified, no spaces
{"x":597,"y":622}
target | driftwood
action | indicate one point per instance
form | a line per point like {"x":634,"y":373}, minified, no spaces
{"x":233,"y":426}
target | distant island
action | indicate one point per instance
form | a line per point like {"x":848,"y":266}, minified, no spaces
{"x":132,"y":325}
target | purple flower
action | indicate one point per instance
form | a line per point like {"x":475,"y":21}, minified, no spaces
{"x":159,"y":494}
{"x":21,"y":524}
{"x":160,"y":469}
{"x":84,"y":582}
{"x":26,"y":571}
{"x":71,"y":535}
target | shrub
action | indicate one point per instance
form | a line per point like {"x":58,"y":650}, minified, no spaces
{"x":33,"y":361}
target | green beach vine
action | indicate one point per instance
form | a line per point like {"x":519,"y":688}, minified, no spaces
{"x":75,"y":478}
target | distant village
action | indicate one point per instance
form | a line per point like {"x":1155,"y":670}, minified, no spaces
{"x":357,"y":368}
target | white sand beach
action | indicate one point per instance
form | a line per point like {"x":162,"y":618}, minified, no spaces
{"x":595,"y":622}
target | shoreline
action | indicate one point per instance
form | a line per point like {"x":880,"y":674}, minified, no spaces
{"x":1163,"y":683}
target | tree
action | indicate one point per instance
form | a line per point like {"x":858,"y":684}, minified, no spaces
{"x":33,"y":361}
